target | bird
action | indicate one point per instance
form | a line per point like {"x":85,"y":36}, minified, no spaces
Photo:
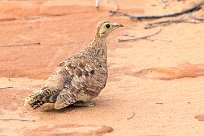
{"x":80,"y":78}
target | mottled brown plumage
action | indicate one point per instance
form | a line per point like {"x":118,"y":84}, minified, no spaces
{"x":81,"y":77}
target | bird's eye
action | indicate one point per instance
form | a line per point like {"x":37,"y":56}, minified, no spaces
{"x":107,"y":25}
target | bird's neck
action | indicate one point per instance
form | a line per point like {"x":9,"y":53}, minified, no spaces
{"x":98,"y":48}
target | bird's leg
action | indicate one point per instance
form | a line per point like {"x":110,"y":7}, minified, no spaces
{"x":84,"y":104}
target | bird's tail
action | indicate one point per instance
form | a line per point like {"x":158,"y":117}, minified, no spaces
{"x":39,"y":97}
{"x":33,"y":99}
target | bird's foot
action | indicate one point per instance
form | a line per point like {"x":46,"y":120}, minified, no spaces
{"x":84,"y":104}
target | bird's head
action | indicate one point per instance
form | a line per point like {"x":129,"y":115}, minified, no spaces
{"x":106,"y":27}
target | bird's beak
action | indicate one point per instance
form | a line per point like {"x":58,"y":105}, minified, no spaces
{"x":118,"y":25}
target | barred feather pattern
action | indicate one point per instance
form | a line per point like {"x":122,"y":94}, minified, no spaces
{"x":79,"y":78}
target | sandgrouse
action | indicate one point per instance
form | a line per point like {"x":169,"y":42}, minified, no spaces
{"x":80,"y":78}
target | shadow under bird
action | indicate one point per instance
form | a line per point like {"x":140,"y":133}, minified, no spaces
{"x":80,"y":78}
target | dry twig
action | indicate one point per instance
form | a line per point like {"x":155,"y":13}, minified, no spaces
{"x":159,"y":103}
{"x":25,"y":44}
{"x":193,"y":8}
{"x":10,"y":119}
{"x":97,"y":3}
{"x":153,"y":39}
{"x":141,"y":37}
{"x":29,"y":17}
{"x":131,"y":116}
{"x":20,"y":18}
{"x":6,"y":87}
{"x":195,"y":18}
{"x":164,"y":23}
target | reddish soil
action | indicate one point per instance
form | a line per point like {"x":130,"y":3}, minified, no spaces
{"x":155,"y":88}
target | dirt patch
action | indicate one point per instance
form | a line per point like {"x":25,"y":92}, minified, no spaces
{"x":71,"y":130}
{"x":199,"y":117}
{"x":13,"y":98}
{"x":180,"y":71}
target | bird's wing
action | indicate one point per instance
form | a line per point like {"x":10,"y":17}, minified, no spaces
{"x":76,"y":76}
{"x":85,"y":77}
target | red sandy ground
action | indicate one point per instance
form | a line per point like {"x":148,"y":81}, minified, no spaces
{"x":135,"y":101}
